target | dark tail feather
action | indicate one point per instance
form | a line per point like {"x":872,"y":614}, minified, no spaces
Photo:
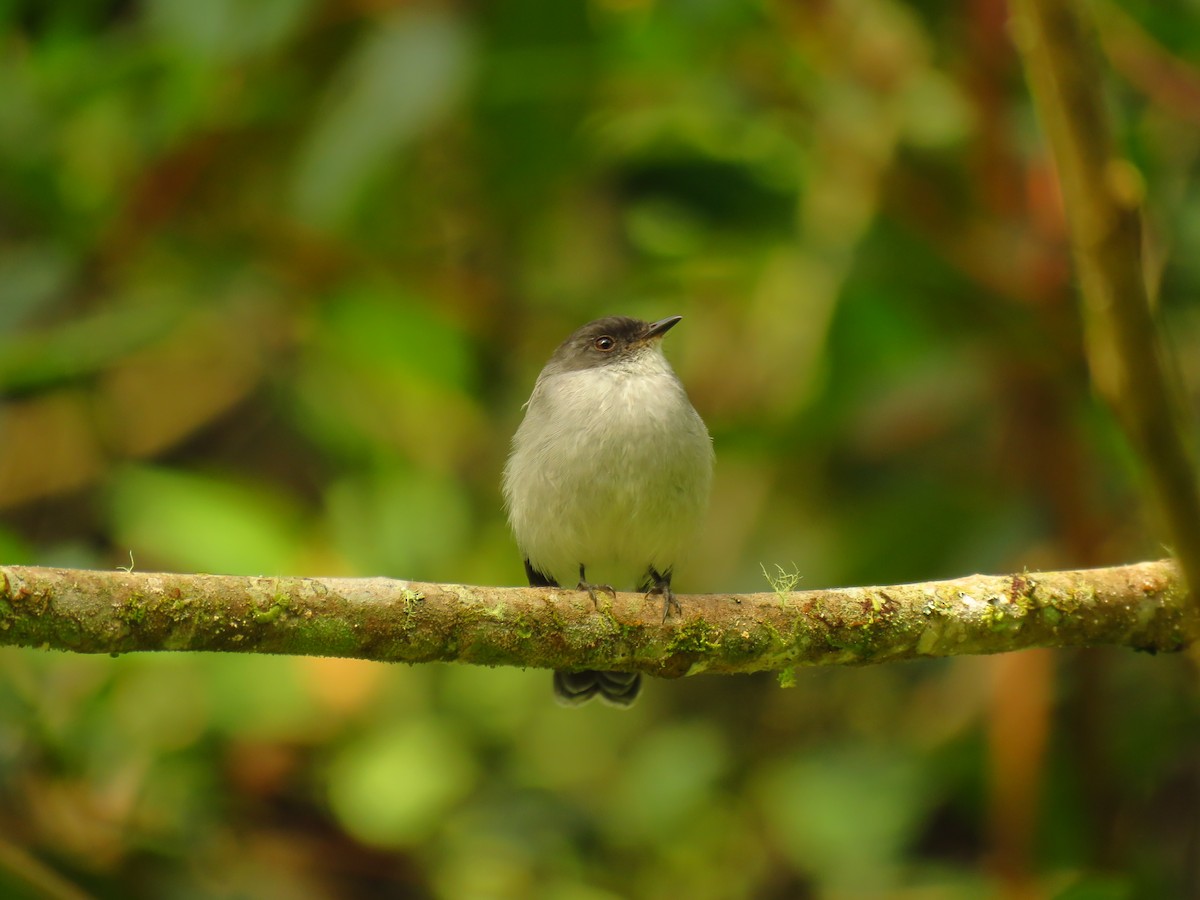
{"x":577,"y":688}
{"x":613,"y":688}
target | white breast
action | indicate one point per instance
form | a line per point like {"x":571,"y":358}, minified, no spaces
{"x":610,"y":468}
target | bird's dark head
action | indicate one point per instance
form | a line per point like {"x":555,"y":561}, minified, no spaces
{"x":614,"y":340}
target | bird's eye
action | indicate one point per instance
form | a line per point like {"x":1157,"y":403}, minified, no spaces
{"x":604,"y":343}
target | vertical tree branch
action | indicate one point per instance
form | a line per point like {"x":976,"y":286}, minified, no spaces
{"x":1102,"y":192}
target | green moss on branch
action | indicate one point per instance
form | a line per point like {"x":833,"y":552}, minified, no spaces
{"x":1140,"y":606}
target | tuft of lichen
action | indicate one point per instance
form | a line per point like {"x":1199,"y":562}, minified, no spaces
{"x":782,"y":582}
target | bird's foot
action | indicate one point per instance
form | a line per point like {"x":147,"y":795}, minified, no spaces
{"x":660,"y":583}
{"x":585,"y":585}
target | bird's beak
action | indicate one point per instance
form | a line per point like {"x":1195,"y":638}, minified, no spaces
{"x":661,"y":327}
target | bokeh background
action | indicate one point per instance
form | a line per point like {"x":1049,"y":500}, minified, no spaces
{"x":277,"y":276}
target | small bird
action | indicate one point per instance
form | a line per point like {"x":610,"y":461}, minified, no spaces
{"x":608,"y":477}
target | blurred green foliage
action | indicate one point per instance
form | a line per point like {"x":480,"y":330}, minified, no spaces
{"x":275,"y":279}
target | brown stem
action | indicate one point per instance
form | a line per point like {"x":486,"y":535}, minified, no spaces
{"x":1102,"y":193}
{"x":1141,"y":606}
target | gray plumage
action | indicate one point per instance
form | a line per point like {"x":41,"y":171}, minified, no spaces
{"x":609,"y":475}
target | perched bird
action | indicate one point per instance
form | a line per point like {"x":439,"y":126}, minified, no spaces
{"x":608,"y":477}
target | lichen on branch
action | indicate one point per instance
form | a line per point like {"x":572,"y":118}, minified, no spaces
{"x":1141,"y":606}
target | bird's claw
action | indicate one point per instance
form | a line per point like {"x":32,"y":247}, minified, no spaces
{"x":593,"y":588}
{"x":670,"y":601}
{"x":661,"y":584}
{"x":585,"y":585}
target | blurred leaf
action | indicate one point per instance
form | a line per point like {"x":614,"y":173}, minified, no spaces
{"x":226,"y":29}
{"x":936,"y":112}
{"x":98,"y":153}
{"x":405,"y":75}
{"x":668,"y":776}
{"x":394,"y":787}
{"x":201,"y":523}
{"x":81,"y":346}
{"x":576,"y":750}
{"x":32,"y":279}
{"x":261,"y":697}
{"x":663,"y":228}
{"x":846,"y":815}
{"x":400,"y":522}
{"x":13,"y":550}
{"x":380,"y":369}
{"x":146,"y":709}
{"x":1098,"y":888}
{"x":378,"y":327}
{"x":499,"y":702}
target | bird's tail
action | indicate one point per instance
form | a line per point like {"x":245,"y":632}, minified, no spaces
{"x":613,"y":688}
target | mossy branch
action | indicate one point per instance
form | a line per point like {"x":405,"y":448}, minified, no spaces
{"x":1140,"y":606}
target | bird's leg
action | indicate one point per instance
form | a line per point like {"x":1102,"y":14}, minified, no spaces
{"x":660,"y":583}
{"x":585,"y":585}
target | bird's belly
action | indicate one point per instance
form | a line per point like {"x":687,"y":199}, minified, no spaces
{"x":618,"y":506}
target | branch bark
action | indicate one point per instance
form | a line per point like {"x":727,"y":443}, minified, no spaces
{"x":1142,"y":606}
